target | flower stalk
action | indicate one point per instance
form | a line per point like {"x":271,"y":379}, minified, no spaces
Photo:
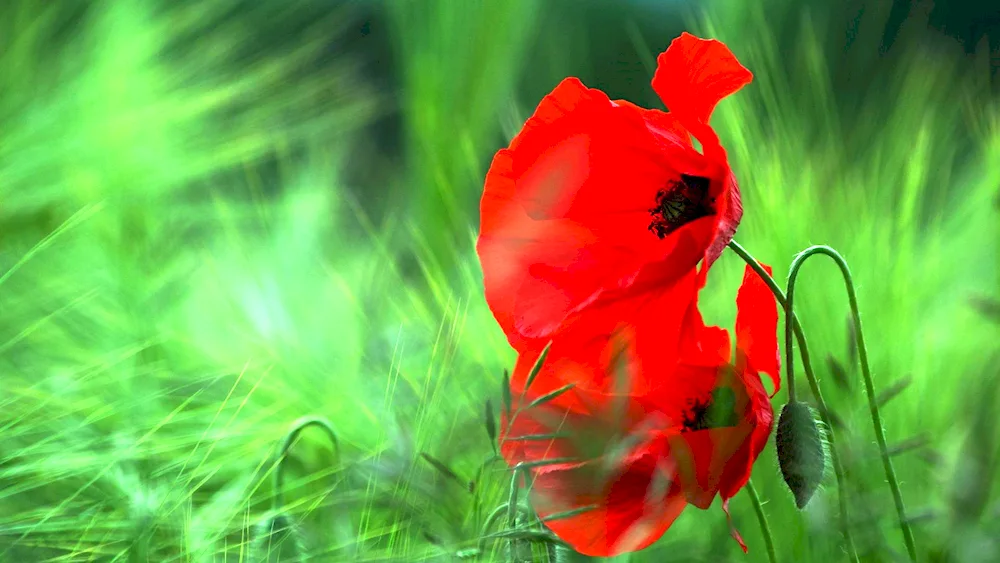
{"x":765,"y":529}
{"x":297,"y":427}
{"x":824,"y":411}
{"x":890,"y":473}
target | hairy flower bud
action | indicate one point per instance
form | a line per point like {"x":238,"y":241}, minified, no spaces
{"x":801,"y":453}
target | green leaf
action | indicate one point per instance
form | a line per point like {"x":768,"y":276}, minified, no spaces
{"x":988,"y":307}
{"x":506,"y":397}
{"x":893,"y":390}
{"x":551,"y":395}
{"x":432,"y":539}
{"x":547,"y":462}
{"x":914,"y":443}
{"x":491,"y":423}
{"x":536,"y":437}
{"x":570,"y":513}
{"x":615,"y":453}
{"x":620,"y":370}
{"x":525,"y":534}
{"x":443,"y":469}
{"x":838,"y":372}
{"x":536,"y":368}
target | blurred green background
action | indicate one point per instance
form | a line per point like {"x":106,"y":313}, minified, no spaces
{"x":219,"y":216}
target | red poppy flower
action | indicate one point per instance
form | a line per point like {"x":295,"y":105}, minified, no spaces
{"x":595,"y":196}
{"x":689,"y":425}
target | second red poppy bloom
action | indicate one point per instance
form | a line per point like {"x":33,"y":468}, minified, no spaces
{"x":688,"y":426}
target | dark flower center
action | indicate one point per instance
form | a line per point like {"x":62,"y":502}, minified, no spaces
{"x":679,"y":204}
{"x":718,"y":411}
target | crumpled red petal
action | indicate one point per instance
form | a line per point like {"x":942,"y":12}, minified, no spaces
{"x":691,"y":77}
{"x":757,"y":326}
{"x":758,"y":419}
{"x":629,"y":511}
{"x":756,"y":350}
{"x":732,"y":528}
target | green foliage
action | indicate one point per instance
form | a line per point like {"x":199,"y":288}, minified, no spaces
{"x":187,"y":265}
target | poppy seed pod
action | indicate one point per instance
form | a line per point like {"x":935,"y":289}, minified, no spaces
{"x":801,"y":454}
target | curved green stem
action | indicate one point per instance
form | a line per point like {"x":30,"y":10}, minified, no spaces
{"x":824,"y":412}
{"x":293,"y":433}
{"x":890,"y":473}
{"x":519,"y":472}
{"x":789,"y":352}
{"x":765,"y":529}
{"x":497,"y":513}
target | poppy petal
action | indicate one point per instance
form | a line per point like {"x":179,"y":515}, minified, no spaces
{"x":757,"y":326}
{"x":757,"y":351}
{"x":691,"y":77}
{"x":703,"y":345}
{"x":730,"y":213}
{"x":521,"y":439}
{"x":619,"y":500}
{"x":565,"y":213}
{"x":760,"y":417}
{"x":651,"y":325}
{"x":717,"y":425}
{"x":702,"y":459}
{"x":582,"y":156}
{"x":732,"y":528}
{"x":694,"y":74}
{"x":729,"y":207}
{"x":628,"y":510}
{"x":665,"y":124}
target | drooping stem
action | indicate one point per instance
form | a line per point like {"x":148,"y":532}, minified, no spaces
{"x":765,"y":529}
{"x":297,"y":427}
{"x":890,"y":473}
{"x":789,"y":355}
{"x":824,"y":412}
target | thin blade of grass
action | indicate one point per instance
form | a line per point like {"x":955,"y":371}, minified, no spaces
{"x":535,"y":369}
{"x":505,"y":393}
{"x":893,"y":390}
{"x":551,"y":395}
{"x":491,"y":423}
{"x":570,"y":513}
{"x":443,"y":469}
{"x":536,"y":437}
